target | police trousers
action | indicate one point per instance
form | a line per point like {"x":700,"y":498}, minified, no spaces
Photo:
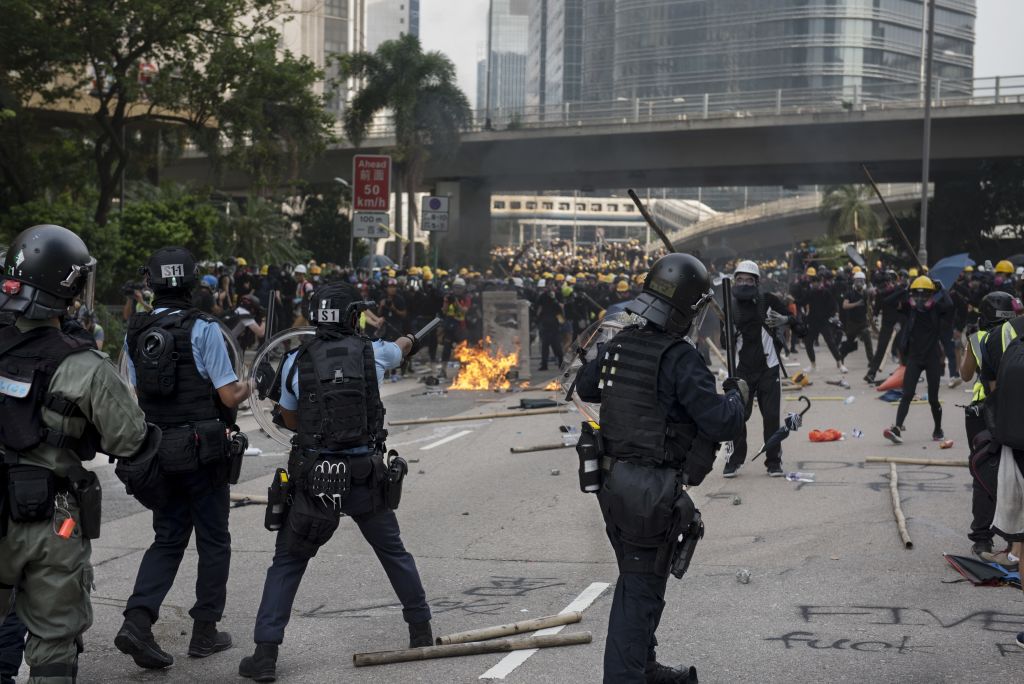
{"x":199,"y":501}
{"x":984,"y":473}
{"x":768,"y":390}
{"x":53,"y":580}
{"x":637,"y":606}
{"x":379,"y":526}
{"x":12,"y":647}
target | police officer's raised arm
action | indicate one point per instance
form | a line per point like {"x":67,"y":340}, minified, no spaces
{"x":720,"y":417}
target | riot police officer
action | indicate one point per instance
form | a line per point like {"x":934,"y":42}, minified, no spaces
{"x":60,"y":401}
{"x":327,"y":393}
{"x":185,"y":383}
{"x":655,"y":443}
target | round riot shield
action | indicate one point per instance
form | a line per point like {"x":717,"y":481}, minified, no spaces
{"x":584,"y":349}
{"x":234,"y":354}
{"x":267,"y":361}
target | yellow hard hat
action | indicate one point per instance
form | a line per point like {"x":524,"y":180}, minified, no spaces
{"x":622,"y":286}
{"x":559,"y":277}
{"x":922,"y":283}
{"x":314,"y":270}
{"x":391,"y":273}
{"x":463,"y":271}
{"x":581,"y":274}
{"x":264,"y":269}
{"x":241,"y":261}
{"x":857,"y":269}
{"x":1004,"y":266}
{"x":428,"y":276}
{"x":968,"y":269}
{"x":547,"y":274}
{"x":811,"y":271}
{"x":913,"y":273}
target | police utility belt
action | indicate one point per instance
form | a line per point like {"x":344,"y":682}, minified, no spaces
{"x":30,"y":494}
{"x":186,"y":448}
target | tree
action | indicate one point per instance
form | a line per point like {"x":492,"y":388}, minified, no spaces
{"x":324,"y":226}
{"x":122,"y":68}
{"x":849,"y":212}
{"x":259,"y":230}
{"x":428,"y":109}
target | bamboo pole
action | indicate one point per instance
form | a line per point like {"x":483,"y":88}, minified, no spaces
{"x":539,"y":447}
{"x":482,"y":416}
{"x":897,"y":508}
{"x":472,"y":648}
{"x":513,"y":628}
{"x":917,"y":461}
{"x":244,"y":499}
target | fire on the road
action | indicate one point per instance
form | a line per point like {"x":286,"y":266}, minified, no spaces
{"x":482,"y":370}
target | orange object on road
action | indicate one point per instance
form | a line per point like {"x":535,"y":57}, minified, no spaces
{"x":946,"y":444}
{"x":829,"y":435}
{"x":894,"y":381}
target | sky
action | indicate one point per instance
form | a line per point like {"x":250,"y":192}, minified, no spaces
{"x":458,"y":28}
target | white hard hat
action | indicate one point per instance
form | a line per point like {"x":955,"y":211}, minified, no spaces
{"x":459,"y":282}
{"x":748,"y":267}
{"x":859,"y":275}
{"x":301,"y":268}
{"x":517,"y":282}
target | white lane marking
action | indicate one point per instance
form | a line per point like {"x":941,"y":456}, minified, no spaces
{"x":449,"y":438}
{"x":516,"y":658}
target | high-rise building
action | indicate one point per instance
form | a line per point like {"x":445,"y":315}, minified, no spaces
{"x":536,"y":55}
{"x":554,"y":69}
{"x":390,"y":19}
{"x":824,"y":48}
{"x":504,"y":67}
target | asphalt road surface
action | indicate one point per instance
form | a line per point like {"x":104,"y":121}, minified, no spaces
{"x":833,"y":596}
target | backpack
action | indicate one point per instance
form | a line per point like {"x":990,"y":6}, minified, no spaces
{"x":1009,"y":397}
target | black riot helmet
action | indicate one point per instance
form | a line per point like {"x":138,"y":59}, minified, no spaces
{"x":675,"y":291}
{"x":997,"y":308}
{"x":45,"y":267}
{"x":171,"y":268}
{"x":334,"y":305}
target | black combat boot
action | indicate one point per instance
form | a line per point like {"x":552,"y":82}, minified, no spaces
{"x":135,"y":638}
{"x":420,"y":634}
{"x":261,"y":666}
{"x":206,"y":640}
{"x":657,"y":673}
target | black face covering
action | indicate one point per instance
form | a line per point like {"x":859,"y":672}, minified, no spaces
{"x":744,"y":293}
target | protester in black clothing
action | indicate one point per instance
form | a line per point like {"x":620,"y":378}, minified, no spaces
{"x":888,"y":299}
{"x":855,"y":304}
{"x":922,"y":349}
{"x":550,"y":316}
{"x":392,"y":308}
{"x":816,"y":296}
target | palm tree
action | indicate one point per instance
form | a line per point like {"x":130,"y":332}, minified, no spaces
{"x":419,"y":90}
{"x":849,"y":213}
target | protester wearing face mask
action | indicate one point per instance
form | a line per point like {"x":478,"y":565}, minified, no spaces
{"x":820,"y":304}
{"x":922,"y":350}
{"x":759,"y":319}
{"x":855,"y":304}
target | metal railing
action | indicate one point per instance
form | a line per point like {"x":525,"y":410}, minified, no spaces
{"x":709,"y":106}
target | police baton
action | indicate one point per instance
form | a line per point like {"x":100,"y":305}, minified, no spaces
{"x":730,"y":357}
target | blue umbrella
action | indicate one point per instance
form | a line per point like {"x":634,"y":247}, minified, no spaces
{"x":948,"y":270}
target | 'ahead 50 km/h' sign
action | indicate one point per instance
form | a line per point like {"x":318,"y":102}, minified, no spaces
{"x":371,"y":182}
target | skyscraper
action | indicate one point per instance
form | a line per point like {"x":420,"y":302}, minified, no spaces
{"x":390,"y":19}
{"x":826,"y":48}
{"x":505,"y":64}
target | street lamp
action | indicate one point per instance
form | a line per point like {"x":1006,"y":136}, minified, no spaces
{"x":351,"y":224}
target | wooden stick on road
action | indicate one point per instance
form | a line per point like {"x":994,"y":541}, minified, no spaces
{"x":539,"y":447}
{"x":246,"y":499}
{"x":472,"y":648}
{"x":897,"y":508}
{"x":533,"y":625}
{"x":482,"y":416}
{"x":916,"y":461}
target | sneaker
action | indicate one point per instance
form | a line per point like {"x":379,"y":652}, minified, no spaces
{"x":775,"y":470}
{"x":938,"y":435}
{"x":206,"y":640}
{"x":1020,"y":639}
{"x":983,"y":550}
{"x":420,"y":634}
{"x":729,"y":470}
{"x":656,"y":673}
{"x":138,"y":642}
{"x":870,"y":378}
{"x":843,"y":369}
{"x":810,"y":369}
{"x":893,"y":434}
{"x":261,"y":666}
{"x":954,"y":382}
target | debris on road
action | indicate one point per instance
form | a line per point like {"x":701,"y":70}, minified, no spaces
{"x":897,"y":507}
{"x":916,"y":461}
{"x":743,"y":576}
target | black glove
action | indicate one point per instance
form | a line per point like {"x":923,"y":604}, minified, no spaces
{"x":415,"y":344}
{"x":264,"y":379}
{"x":738,"y":385}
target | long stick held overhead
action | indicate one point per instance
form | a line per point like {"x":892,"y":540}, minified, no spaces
{"x":650,"y":220}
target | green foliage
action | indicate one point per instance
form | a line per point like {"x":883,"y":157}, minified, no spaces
{"x":181,"y":219}
{"x":324,"y":226}
{"x":258,"y":230}
{"x":849,"y":213}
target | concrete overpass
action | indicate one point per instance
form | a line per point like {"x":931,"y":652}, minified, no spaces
{"x":798,"y":147}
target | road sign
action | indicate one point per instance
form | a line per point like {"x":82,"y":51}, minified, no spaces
{"x":371,"y":182}
{"x":434,"y":214}
{"x":370,"y":224}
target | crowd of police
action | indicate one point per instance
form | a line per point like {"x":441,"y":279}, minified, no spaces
{"x":173,"y":434}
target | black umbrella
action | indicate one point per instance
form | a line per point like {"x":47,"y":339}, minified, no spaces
{"x":376,"y":261}
{"x":792,"y":424}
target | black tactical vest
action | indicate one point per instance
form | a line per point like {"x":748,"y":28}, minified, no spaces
{"x":633,"y":426}
{"x":171,"y":391}
{"x":28,"y":361}
{"x":339,"y":400}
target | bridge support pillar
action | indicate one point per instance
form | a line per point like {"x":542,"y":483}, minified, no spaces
{"x":468,"y":240}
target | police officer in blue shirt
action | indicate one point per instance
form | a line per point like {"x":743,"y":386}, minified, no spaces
{"x":327,"y":392}
{"x":655,"y":444}
{"x":179,"y":365}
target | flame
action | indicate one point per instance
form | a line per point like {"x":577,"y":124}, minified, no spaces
{"x":481,"y":370}
{"x":553,"y":386}
{"x":525,"y":384}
